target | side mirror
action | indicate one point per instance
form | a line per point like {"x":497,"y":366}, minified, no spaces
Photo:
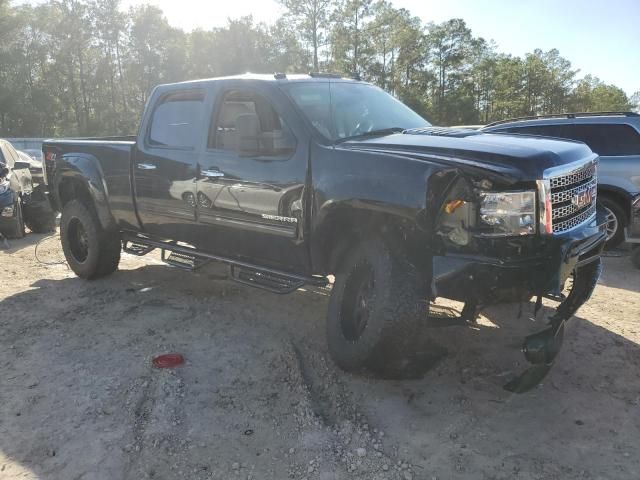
{"x":21,"y":166}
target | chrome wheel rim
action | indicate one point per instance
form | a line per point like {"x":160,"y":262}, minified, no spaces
{"x":612,"y":223}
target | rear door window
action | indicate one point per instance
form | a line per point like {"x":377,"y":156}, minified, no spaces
{"x":176,"y":120}
{"x":609,"y":139}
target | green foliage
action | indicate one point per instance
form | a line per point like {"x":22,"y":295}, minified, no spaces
{"x":592,"y":95}
{"x":85,"y":67}
{"x":311,"y":18}
{"x":635,"y":102}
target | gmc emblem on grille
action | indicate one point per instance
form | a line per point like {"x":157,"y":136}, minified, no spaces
{"x":584,"y":197}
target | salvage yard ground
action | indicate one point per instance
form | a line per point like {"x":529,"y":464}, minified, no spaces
{"x":259,"y":398}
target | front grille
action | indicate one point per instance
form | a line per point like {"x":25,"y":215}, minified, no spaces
{"x":574,"y":177}
{"x":574,"y":221}
{"x":573,"y":197}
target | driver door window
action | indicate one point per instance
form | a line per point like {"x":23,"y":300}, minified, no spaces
{"x":248,"y":125}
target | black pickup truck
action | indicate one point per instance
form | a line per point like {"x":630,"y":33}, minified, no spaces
{"x":289,"y":179}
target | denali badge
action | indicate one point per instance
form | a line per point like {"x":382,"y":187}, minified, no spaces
{"x":279,"y":218}
{"x":584,"y":197}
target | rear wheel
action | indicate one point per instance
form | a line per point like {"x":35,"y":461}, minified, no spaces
{"x":616,"y":221}
{"x":90,"y":250}
{"x":375,"y":310}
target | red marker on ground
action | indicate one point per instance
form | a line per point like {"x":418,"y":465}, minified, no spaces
{"x":168,"y":360}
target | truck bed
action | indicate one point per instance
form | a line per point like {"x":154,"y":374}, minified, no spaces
{"x":110,"y":159}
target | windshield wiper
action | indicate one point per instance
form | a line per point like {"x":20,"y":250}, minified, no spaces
{"x":373,"y":133}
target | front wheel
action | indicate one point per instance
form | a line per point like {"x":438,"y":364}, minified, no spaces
{"x":90,"y":250}
{"x":375,"y":310}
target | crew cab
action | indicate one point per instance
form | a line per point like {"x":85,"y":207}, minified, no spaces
{"x":289,"y":179}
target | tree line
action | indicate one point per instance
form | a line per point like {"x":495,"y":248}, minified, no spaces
{"x":85,"y":67}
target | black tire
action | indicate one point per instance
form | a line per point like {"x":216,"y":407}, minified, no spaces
{"x":635,"y":256}
{"x":38,"y":214}
{"x":617,"y":220}
{"x":91,"y":251}
{"x":17,"y":228}
{"x":375,"y":310}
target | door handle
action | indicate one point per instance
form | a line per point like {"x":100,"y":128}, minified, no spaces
{"x":212,"y":173}
{"x":146,"y":166}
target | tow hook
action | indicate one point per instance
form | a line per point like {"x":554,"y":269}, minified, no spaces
{"x":541,"y":348}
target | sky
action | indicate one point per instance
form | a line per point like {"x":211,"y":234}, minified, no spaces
{"x":600,"y":37}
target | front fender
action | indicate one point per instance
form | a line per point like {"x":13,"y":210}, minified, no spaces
{"x":81,"y":175}
{"x":625,"y":187}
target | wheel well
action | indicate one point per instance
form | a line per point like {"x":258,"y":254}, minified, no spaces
{"x":72,"y":189}
{"x":618,"y":198}
{"x":75,"y":189}
{"x":343,"y":229}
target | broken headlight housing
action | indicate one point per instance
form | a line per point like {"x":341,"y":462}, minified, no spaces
{"x":507,"y":214}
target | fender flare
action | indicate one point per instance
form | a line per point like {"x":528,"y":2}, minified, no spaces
{"x":84,"y":170}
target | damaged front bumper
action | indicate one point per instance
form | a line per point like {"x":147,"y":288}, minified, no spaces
{"x":482,"y":280}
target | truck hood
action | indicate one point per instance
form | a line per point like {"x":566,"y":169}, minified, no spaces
{"x":517,"y":157}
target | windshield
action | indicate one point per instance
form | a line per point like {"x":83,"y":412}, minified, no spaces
{"x":341,"y":110}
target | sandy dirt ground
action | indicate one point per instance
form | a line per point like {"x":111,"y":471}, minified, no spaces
{"x":259,"y":397}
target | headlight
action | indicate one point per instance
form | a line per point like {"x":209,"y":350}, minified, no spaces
{"x":508,"y":213}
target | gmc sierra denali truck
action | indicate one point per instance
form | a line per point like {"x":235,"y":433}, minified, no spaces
{"x":291,"y":178}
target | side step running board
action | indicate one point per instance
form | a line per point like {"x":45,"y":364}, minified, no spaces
{"x":189,"y":258}
{"x":268,"y":281}
{"x":183,"y":260}
{"x":135,"y":248}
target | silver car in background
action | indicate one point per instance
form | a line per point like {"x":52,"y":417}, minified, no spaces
{"x":615,"y":136}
